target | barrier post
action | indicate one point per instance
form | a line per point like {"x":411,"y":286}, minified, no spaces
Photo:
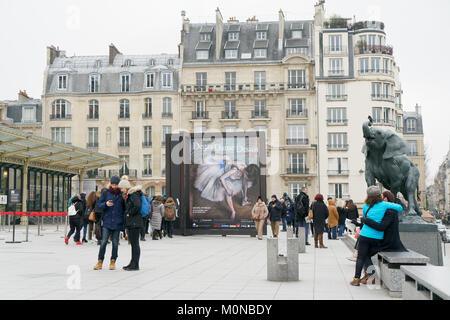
{"x":14,"y":227}
{"x":58,"y":220}
{"x":65,"y":227}
{"x":39,"y":225}
{"x":28,"y":224}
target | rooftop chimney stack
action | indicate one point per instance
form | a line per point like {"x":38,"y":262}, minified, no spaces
{"x":52,"y":54}
{"x":113,"y":52}
{"x":219,"y":33}
{"x":280,"y":30}
{"x":418,"y":109}
{"x":319,"y":16}
{"x":23,"y":96}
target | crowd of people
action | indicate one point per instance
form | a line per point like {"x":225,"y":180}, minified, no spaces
{"x":377,"y":230}
{"x":122,"y":210}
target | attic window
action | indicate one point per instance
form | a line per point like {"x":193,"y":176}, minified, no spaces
{"x":127,"y":63}
{"x":151,"y":62}
{"x":98,"y":63}
{"x":205,"y":37}
{"x":170,"y":62}
{"x":67,"y":64}
{"x":202,"y":54}
{"x":261,"y":35}
{"x":296,"y":34}
{"x":233,"y":36}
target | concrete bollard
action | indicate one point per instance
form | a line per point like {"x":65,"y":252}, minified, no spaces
{"x":282,"y":268}
{"x":301,"y":240}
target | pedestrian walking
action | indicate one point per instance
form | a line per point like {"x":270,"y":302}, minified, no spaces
{"x":301,"y":213}
{"x":369,"y":238}
{"x":333,"y":219}
{"x":340,"y":205}
{"x":84,"y":220}
{"x":112,"y":203}
{"x":156,"y":219}
{"x":170,"y":215}
{"x":98,"y":218}
{"x":284,"y":212}
{"x":320,"y":214}
{"x":275,"y":209}
{"x":133,"y":221}
{"x":91,"y":202}
{"x":259,"y":215}
{"x":75,"y":220}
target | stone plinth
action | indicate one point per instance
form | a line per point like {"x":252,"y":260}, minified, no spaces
{"x":301,"y":240}
{"x":281,"y":268}
{"x":426,"y":283}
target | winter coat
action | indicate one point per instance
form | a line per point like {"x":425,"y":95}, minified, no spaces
{"x":291,"y":213}
{"x":342,"y":216}
{"x":275,"y":212}
{"x":170,"y":203}
{"x":79,"y":207}
{"x":157,"y":214}
{"x":133,"y":217}
{"x":376,"y":213}
{"x":320,"y":214}
{"x":284,"y":210}
{"x":113,"y":217}
{"x":352,"y":213}
{"x":259,"y":211}
{"x":333,"y":215}
{"x":302,"y":202}
{"x":391,"y":241}
{"x":88,"y":211}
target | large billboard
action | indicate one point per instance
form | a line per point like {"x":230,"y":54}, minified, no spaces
{"x":224,"y":176}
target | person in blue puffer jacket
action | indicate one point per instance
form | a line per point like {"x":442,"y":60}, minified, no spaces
{"x":369,"y":238}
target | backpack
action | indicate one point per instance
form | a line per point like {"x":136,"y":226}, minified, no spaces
{"x":299,"y":206}
{"x":169,"y":213}
{"x":72,"y":211}
{"x":145,"y":206}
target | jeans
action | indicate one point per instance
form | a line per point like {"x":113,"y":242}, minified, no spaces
{"x":115,"y":243}
{"x":366,"y":246}
{"x":75,"y":227}
{"x":305,"y":225}
{"x":169,"y":227}
{"x":133,"y":236}
{"x":332,"y":233}
{"x":85,"y":227}
{"x":283,"y":220}
{"x":341,"y":229}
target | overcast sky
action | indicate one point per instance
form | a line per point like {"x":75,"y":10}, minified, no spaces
{"x":418,"y":30}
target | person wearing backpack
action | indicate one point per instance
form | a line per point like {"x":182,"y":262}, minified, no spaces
{"x":157,"y":214}
{"x":133,"y":222}
{"x":75,"y":212}
{"x":145,"y":213}
{"x":301,"y":212}
{"x":170,"y":215}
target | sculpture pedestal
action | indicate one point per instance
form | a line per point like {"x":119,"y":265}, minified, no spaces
{"x":422,"y":237}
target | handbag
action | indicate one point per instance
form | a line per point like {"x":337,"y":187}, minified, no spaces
{"x":92,"y":216}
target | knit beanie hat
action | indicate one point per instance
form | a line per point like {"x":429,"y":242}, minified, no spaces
{"x":115,"y":180}
{"x":373,"y":191}
{"x":274,"y":196}
{"x":124,"y":183}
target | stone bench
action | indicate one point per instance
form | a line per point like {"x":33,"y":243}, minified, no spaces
{"x":426,"y":283}
{"x":389,"y":264}
{"x":281,"y":268}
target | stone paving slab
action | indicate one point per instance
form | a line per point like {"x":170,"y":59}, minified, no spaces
{"x":182,"y":268}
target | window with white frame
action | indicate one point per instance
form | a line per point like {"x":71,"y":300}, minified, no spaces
{"x":98,"y":63}
{"x":261,"y":35}
{"x":297,"y":107}
{"x":411,"y":125}
{"x":260,"y":108}
{"x":150,"y":78}
{"x":28,"y":114}
{"x":297,"y":50}
{"x":202,"y":54}
{"x":338,"y":190}
{"x":399,"y":123}
{"x":230,"y":81}
{"x":62,"y":81}
{"x":60,"y":109}
{"x":260,"y":53}
{"x":230,"y":128}
{"x":336,"y":90}
{"x":125,"y":82}
{"x":376,"y":90}
{"x":337,"y":166}
{"x":260,"y":80}
{"x":386,"y":90}
{"x":94,"y":83}
{"x":205,"y":37}
{"x":385,"y":65}
{"x":233,"y":36}
{"x":127,"y":63}
{"x":148,"y":168}
{"x":62,"y":135}
{"x":337,"y":115}
{"x":93,"y":109}
{"x":337,"y":140}
{"x":335,"y":43}
{"x":124,"y":168}
{"x":296,"y":79}
{"x":150,"y":191}
{"x":201,"y":78}
{"x":165,"y":130}
{"x":148,"y":106}
{"x":336,"y":66}
{"x":260,"y":128}
{"x":166,"y":80}
{"x":92,"y":137}
{"x":364,"y":65}
{"x":296,"y":34}
{"x":200,"y":109}
{"x":376,"y":114}
{"x":295,"y":189}
{"x":388,"y":112}
{"x":124,"y":111}
{"x":147,"y":136}
{"x":372,"y":40}
{"x":412,"y":147}
{"x":231,"y":54}
{"x":297,"y":134}
{"x":167,"y":106}
{"x":375,"y":64}
{"x":230,"y":109}
{"x":297,"y":163}
{"x":124,"y":136}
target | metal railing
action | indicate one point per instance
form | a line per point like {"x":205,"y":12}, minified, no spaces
{"x":92,"y":145}
{"x":132,"y":173}
{"x":88,"y":117}
{"x":297,"y":141}
{"x":367,"y":49}
{"x":123,"y":144}
{"x":383,"y":97}
{"x":146,"y":144}
{"x":338,"y":172}
{"x":337,"y":122}
{"x":337,"y":147}
{"x":200,"y":115}
{"x":366,"y":72}
{"x":147,"y":172}
{"x":336,"y":72}
{"x":60,"y":117}
{"x":335,"y":97}
{"x":264,"y":114}
{"x":230,"y":115}
{"x":298,"y":171}
{"x":297,"y":114}
{"x":244,"y":87}
{"x":125,"y":116}
{"x":146,"y":116}
{"x":168,"y":115}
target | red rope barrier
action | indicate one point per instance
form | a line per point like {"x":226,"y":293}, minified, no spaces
{"x":35,"y":214}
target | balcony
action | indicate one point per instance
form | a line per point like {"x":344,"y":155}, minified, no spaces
{"x":336,"y":73}
{"x":369,"y":72}
{"x":146,"y":115}
{"x":123,"y":144}
{"x":337,"y":122}
{"x":96,"y":174}
{"x":147,"y":172}
{"x":131,"y":173}
{"x":368,"y":25}
{"x":338,"y":172}
{"x":125,"y":116}
{"x":335,"y":51}
{"x":298,"y":170}
{"x":297,"y":141}
{"x":335,"y":97}
{"x":230,"y":115}
{"x":167,"y":115}
{"x":372,"y":49}
{"x":200,"y":115}
{"x":300,"y":86}
{"x":92,"y":145}
{"x":337,"y":147}
{"x":147,"y":144}
{"x":242,"y":88}
{"x":92,"y":118}
{"x":60,"y":117}
{"x":336,"y":23}
{"x":297,"y":114}
{"x":260,"y":114}
{"x":383,"y":97}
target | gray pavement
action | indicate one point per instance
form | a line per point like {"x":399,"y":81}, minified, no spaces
{"x":182,"y":268}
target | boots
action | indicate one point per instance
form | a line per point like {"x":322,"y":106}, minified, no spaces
{"x":355,"y":282}
{"x":112,"y":265}
{"x":316,"y":240}
{"x":99,"y":265}
{"x":366,"y":278}
{"x":321,"y":241}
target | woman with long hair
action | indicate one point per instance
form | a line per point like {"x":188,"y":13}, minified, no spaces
{"x":320,"y":214}
{"x":156,"y":219}
{"x":91,"y":202}
{"x":370,"y":238}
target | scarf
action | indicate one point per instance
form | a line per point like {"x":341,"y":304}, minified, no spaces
{"x":115,"y":191}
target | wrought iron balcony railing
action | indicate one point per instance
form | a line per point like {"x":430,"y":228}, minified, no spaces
{"x":298,"y":170}
{"x":198,"y":115}
{"x":297,"y":113}
{"x":297,"y":141}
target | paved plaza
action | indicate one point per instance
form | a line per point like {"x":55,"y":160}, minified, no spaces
{"x":182,"y":268}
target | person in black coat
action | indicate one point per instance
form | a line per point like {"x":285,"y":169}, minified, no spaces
{"x":301,"y":213}
{"x":275,"y":209}
{"x":320,"y":214}
{"x":134,"y":224}
{"x":75,"y":221}
{"x":342,"y":217}
{"x":284,"y":212}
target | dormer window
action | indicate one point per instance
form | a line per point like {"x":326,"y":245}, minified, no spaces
{"x":170,"y":62}
{"x":94,"y":82}
{"x":98,"y":63}
{"x":151,"y":62}
{"x":296,"y":34}
{"x":233,"y":36}
{"x":202,"y":55}
{"x":127,"y":63}
{"x":62,"y":82}
{"x":261,"y":35}
{"x":260,"y":53}
{"x":67,"y":64}
{"x":205,"y":37}
{"x":125,"y":80}
{"x":231,"y":54}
